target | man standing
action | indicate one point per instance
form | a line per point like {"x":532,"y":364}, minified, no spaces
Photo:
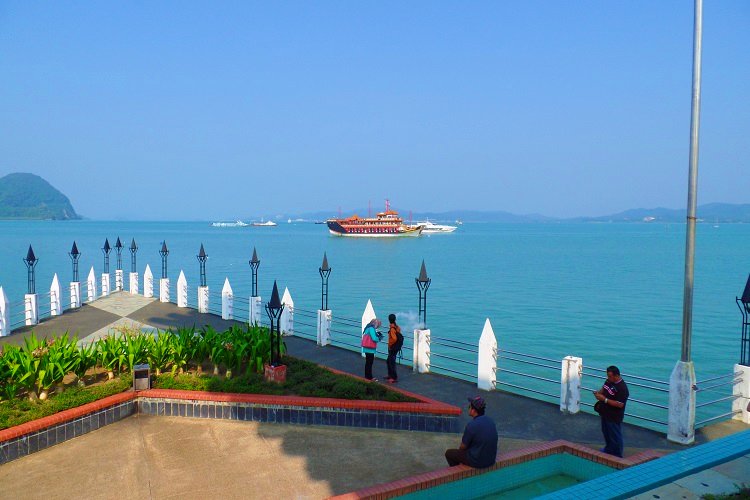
{"x":479,"y":443}
{"x":613,"y":395}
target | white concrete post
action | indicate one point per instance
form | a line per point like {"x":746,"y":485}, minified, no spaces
{"x":164,"y":290}
{"x":4,"y":314}
{"x":55,"y":297}
{"x":133,"y":284}
{"x":681,"y":419}
{"x":203,"y":299}
{"x":422,"y":351}
{"x":31,"y":305}
{"x":487,"y":362}
{"x":255,"y":309}
{"x":227,"y":301}
{"x":105,"y":284}
{"x":741,"y":390}
{"x":367,"y":316}
{"x":119,"y":285}
{"x":148,"y":282}
{"x":182,"y":290}
{"x":91,"y":285}
{"x":287,"y":315}
{"x":324,"y":327}
{"x":570,"y":384}
{"x":75,"y":294}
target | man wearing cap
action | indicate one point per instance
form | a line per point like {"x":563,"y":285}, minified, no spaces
{"x":479,"y":443}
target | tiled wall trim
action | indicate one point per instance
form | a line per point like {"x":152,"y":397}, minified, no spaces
{"x":301,"y":415}
{"x":38,"y":440}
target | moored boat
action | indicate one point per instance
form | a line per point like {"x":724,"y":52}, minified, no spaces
{"x":387,"y":224}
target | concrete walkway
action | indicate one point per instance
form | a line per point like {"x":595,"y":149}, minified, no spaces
{"x":521,"y":421}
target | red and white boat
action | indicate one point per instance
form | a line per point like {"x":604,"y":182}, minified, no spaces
{"x":387,"y":224}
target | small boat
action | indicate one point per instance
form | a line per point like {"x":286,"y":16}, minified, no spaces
{"x":237,"y":223}
{"x":268,"y":223}
{"x":459,"y":222}
{"x":387,"y":224}
{"x":431,"y":228}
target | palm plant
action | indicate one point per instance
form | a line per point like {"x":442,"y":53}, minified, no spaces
{"x":183,"y":348}
{"x":88,"y":356}
{"x":111,"y":353}
{"x":160,"y":352}
{"x":136,"y":349}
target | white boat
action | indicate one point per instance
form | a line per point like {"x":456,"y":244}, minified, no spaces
{"x":268,"y":223}
{"x":431,"y":228}
{"x":237,"y":223}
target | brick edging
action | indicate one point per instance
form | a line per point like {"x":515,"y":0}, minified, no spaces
{"x":449,"y":474}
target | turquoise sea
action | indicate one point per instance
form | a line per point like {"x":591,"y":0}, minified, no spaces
{"x":609,"y":293}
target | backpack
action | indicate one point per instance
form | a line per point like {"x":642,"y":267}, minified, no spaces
{"x":399,"y":340}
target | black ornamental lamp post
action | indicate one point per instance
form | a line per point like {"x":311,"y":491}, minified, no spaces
{"x":74,"y":256}
{"x":164,"y":252}
{"x":105,"y":250}
{"x":254,"y":265}
{"x":202,"y":257}
{"x":118,"y":249}
{"x":31,"y":261}
{"x":744,"y":305}
{"x":423,"y":283}
{"x":325,"y":272}
{"x":133,"y":251}
{"x":274,"y":308}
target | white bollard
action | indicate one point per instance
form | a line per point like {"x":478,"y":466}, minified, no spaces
{"x":91,"y":286}
{"x":741,"y":391}
{"x":287,"y":315}
{"x":4,"y":314}
{"x":75,"y":294}
{"x":182,"y":291}
{"x":227,"y":301}
{"x":55,"y":297}
{"x":255,"y":309}
{"x":681,"y":419}
{"x":119,"y":285}
{"x":487,"y":362}
{"x":164,"y":290}
{"x":570,"y":384}
{"x":148,"y":282}
{"x":133,"y":284}
{"x":203,"y":299}
{"x":422,"y":351}
{"x":324,"y":327}
{"x":105,"y":284}
{"x":367,"y":316}
{"x":31,"y":309}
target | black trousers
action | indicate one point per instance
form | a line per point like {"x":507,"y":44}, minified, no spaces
{"x":369,"y":359}
{"x":391,"y":362}
{"x":455,"y":457}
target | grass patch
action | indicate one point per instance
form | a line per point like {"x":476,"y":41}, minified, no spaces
{"x":20,"y":411}
{"x":303,"y":378}
{"x":742,"y":493}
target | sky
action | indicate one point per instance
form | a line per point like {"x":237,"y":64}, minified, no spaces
{"x":223,"y":110}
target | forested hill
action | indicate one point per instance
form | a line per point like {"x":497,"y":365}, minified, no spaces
{"x":28,"y":196}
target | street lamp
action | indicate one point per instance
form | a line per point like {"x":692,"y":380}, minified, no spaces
{"x":31,"y":261}
{"x":254,"y":265}
{"x":133,"y":250}
{"x":164,"y":252}
{"x":105,"y":250}
{"x":744,"y":304}
{"x":74,"y":256}
{"x":118,"y":248}
{"x":274,"y":308}
{"x":423,"y":283}
{"x":202,"y":260}
{"x":325,"y":272}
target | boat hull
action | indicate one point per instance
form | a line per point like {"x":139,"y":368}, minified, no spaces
{"x":336,"y":229}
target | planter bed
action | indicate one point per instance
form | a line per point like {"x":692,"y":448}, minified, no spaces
{"x":424,"y":414}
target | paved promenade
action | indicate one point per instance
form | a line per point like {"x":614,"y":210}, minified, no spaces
{"x":521,"y":421}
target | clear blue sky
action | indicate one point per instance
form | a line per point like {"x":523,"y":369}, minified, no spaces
{"x":141,"y":109}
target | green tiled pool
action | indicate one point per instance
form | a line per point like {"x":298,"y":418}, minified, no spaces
{"x":525,"y":480}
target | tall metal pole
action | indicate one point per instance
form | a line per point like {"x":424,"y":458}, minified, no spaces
{"x":687,"y":303}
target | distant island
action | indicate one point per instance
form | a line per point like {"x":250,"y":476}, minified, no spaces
{"x":709,"y":213}
{"x":28,"y":196}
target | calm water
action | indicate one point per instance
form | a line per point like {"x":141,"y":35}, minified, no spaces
{"x":610,"y":293}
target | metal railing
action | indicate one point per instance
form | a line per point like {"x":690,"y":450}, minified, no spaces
{"x":718,"y":385}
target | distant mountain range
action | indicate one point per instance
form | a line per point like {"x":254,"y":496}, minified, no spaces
{"x":710,"y":212}
{"x":28,"y":196}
